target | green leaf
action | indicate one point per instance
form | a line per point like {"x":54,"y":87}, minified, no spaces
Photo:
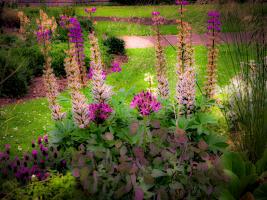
{"x":261,"y":192}
{"x":157,"y":173}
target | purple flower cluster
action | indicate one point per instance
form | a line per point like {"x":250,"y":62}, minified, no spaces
{"x":182,"y":2}
{"x":99,"y":112}
{"x":90,"y":10}
{"x":36,"y":164}
{"x":157,"y":19}
{"x":43,"y":35}
{"x":116,"y":67}
{"x":145,"y":103}
{"x":90,"y":74}
{"x":214,"y":22}
{"x":155,"y":13}
{"x":64,"y":20}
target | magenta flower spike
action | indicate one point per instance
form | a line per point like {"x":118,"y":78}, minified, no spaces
{"x":116,"y":67}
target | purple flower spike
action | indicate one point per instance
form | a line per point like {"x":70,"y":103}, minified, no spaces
{"x":145,"y":103}
{"x":182,"y":2}
{"x":214,"y":23}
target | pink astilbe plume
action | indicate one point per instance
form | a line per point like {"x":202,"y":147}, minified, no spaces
{"x":98,"y":113}
{"x":161,"y":67}
{"x":145,"y":103}
{"x":101,"y":92}
{"x":186,"y":83}
{"x":79,"y":102}
{"x":46,"y":27}
{"x":214,"y":28}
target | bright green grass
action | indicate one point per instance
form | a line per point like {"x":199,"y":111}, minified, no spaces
{"x":21,"y":123}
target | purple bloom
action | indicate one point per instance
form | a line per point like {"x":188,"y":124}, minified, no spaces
{"x":116,"y":67}
{"x":90,"y":10}
{"x":7,"y":148}
{"x":182,"y":2}
{"x":45,"y":138}
{"x":40,"y":140}
{"x":63,"y":21}
{"x":214,"y":23}
{"x":34,"y":153}
{"x":43,"y":35}
{"x":155,"y":13}
{"x":145,"y":103}
{"x":99,"y":112}
{"x":90,"y":74}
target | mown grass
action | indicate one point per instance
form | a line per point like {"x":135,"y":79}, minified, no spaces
{"x":23,"y":122}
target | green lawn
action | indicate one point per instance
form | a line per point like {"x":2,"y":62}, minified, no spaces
{"x":21,"y":123}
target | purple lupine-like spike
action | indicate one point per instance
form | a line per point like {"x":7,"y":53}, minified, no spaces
{"x":116,"y":67}
{"x":214,"y":22}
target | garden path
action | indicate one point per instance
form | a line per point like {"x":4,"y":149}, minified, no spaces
{"x":197,"y":39}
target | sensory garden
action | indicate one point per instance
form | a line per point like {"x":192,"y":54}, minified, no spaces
{"x":134,"y":100}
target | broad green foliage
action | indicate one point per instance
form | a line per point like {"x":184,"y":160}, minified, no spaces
{"x":244,"y":176}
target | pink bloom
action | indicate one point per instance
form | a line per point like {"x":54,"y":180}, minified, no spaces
{"x":99,"y":112}
{"x":145,"y":103}
{"x":90,"y":10}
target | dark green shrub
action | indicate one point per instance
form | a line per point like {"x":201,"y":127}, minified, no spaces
{"x":58,"y":56}
{"x":7,"y":40}
{"x":115,"y":46}
{"x":69,"y":11}
{"x":9,"y":18}
{"x":14,"y":74}
{"x":86,"y":24}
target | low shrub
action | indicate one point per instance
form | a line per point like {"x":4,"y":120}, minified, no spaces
{"x":58,"y":56}
{"x":115,"y":46}
{"x":86,"y":24}
{"x":14,"y":74}
{"x":9,"y":18}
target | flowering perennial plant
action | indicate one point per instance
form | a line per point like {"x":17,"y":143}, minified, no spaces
{"x":51,"y":87}
{"x":77,"y":43}
{"x":163,"y":84}
{"x":98,"y":113}
{"x":24,"y":21}
{"x":79,"y":104}
{"x":101,"y":92}
{"x":145,"y":103}
{"x":46,"y":27}
{"x":33,"y":165}
{"x":185,"y":88}
{"x":214,"y":28}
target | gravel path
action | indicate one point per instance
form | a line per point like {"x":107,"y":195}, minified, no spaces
{"x":197,"y":39}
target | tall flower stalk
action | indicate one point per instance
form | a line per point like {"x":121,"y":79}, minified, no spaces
{"x":24,"y":21}
{"x":101,"y":91}
{"x":46,"y":27}
{"x":185,"y":88}
{"x":214,"y":28}
{"x":79,"y":102}
{"x":163,"y":84}
{"x":76,"y":40}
